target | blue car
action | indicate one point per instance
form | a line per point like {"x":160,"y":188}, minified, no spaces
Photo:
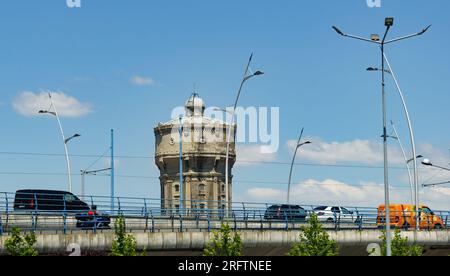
{"x":92,"y":220}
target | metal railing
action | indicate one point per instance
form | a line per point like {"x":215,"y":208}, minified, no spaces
{"x":47,"y":213}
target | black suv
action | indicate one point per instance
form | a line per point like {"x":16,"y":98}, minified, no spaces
{"x":60,"y":201}
{"x":285,"y":212}
{"x":48,"y":200}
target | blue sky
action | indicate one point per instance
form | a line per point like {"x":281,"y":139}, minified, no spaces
{"x":316,"y":78}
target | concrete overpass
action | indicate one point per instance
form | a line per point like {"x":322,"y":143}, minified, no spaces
{"x":256,"y":242}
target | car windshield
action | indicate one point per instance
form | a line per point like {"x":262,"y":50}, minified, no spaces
{"x":345,"y":211}
{"x":320,"y":208}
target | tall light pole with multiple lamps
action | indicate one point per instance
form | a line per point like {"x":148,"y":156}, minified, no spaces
{"x":298,"y":145}
{"x":65,"y":140}
{"x":244,"y":79}
{"x":389,"y":22}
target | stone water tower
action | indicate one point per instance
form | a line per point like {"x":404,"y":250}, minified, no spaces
{"x":203,"y":160}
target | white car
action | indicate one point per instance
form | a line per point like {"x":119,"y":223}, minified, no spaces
{"x":335,"y":214}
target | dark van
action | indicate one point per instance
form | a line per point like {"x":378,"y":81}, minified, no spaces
{"x":285,"y":212}
{"x":48,"y":200}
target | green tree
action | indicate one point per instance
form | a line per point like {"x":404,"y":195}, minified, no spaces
{"x":400,"y":246}
{"x":314,"y":241}
{"x":18,"y":245}
{"x":124,"y":244}
{"x":224,"y":243}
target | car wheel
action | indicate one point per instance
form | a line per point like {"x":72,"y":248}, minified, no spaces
{"x":438,"y":227}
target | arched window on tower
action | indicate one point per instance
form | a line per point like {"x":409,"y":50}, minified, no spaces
{"x":202,"y":189}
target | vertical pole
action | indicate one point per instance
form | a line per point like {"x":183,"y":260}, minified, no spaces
{"x":385,"y":153}
{"x":227,"y":169}
{"x":69,"y":175}
{"x":292,"y":165}
{"x":411,"y":184}
{"x":83,"y":173}
{"x":181,"y":166}
{"x":413,"y":144}
{"x":112,"y":170}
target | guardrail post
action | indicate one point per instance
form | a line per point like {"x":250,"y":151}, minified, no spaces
{"x":233,"y":214}
{"x":35,"y":214}
{"x":95,"y":223}
{"x":197,"y":218}
{"x":360,"y":222}
{"x":65,"y":222}
{"x":7,"y":209}
{"x":153,"y":221}
{"x":339,"y":222}
{"x":446,"y":220}
{"x":286,"y":220}
{"x":64,"y":215}
{"x":120,"y":207}
{"x":262,"y":222}
{"x":146,"y":215}
{"x":181,"y":223}
{"x":209,"y":221}
{"x":335,"y":221}
{"x":1,"y":226}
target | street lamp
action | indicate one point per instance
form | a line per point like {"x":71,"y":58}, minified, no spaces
{"x":436,"y":184}
{"x":427,"y":162}
{"x":293,"y":160}
{"x":64,"y":139}
{"x":244,"y":79}
{"x":389,"y":22}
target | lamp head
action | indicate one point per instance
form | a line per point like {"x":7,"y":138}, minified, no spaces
{"x":424,"y":30}
{"x":389,"y":22}
{"x":258,"y":73}
{"x":375,"y":37}
{"x":337,"y":30}
{"x":427,"y":162}
{"x":372,"y":69}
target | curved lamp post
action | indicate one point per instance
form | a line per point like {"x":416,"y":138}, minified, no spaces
{"x":407,"y":161}
{"x":411,"y":133}
{"x":244,"y":79}
{"x":388,"y":22}
{"x":293,"y":160}
{"x":65,"y":140}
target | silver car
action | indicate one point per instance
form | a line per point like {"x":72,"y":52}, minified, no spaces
{"x":335,"y":214}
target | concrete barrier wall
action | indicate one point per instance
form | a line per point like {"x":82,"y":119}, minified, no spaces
{"x":101,"y":241}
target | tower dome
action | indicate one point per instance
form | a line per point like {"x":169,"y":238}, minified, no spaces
{"x":195,"y":106}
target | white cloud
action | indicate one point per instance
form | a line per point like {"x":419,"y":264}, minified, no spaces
{"x":142,"y":81}
{"x":333,"y":192}
{"x":248,"y":154}
{"x":28,"y":104}
{"x":360,"y":151}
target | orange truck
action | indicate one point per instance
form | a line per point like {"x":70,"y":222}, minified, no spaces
{"x":404,"y":216}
